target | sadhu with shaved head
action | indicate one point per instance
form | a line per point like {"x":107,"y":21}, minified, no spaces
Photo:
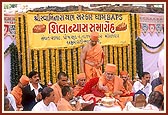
{"x":92,"y":57}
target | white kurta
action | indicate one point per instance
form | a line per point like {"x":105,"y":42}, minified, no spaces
{"x":40,"y":106}
{"x":146,"y":89}
{"x":12,"y":101}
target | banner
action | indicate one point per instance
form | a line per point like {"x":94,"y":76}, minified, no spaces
{"x":68,"y":29}
{"x":151,"y":24}
{"x":9,"y":25}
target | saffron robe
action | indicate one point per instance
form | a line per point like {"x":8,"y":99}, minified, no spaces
{"x":17,"y":93}
{"x":95,"y":55}
{"x":57,"y":92}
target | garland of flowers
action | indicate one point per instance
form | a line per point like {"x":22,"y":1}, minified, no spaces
{"x":75,"y":63}
{"x":69,"y":64}
{"x":35,"y":60}
{"x":106,"y":52}
{"x":50,"y":61}
{"x":152,"y":46}
{"x":124,"y":58}
{"x":120,"y":58}
{"x":15,"y":71}
{"x":66,"y":60}
{"x":138,"y":25}
{"x":72,"y":64}
{"x":79,"y":55}
{"x":20,"y":43}
{"x":57,"y":61}
{"x":130,"y":47}
{"x":25,"y":42}
{"x":53,"y":80}
{"x":139,"y":57}
{"x":47,"y":66}
{"x":158,"y":50}
{"x":115,"y":57}
{"x":133,"y":45}
{"x":110,"y":52}
{"x":17,"y":32}
{"x":146,"y":46}
{"x":38,"y":62}
{"x":63,"y":60}
{"x":41,"y":66}
{"x":23,"y":47}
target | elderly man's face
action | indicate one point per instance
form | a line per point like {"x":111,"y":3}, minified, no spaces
{"x":81,"y":82}
{"x":109,"y":75}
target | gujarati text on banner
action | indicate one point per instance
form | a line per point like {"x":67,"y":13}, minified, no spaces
{"x":68,"y":29}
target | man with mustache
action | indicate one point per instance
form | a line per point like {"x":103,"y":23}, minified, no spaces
{"x":143,"y":85}
{"x":32,"y":92}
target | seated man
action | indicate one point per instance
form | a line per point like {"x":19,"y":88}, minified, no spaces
{"x":143,"y":85}
{"x":111,"y":83}
{"x":126,"y":82}
{"x":81,"y":80}
{"x":47,"y":102}
{"x":61,"y":81}
{"x":64,"y":103}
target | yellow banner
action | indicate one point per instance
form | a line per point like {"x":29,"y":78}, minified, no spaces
{"x":67,"y":29}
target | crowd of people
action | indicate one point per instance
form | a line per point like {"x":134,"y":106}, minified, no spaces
{"x":91,"y":86}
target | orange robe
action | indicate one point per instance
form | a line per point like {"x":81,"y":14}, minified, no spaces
{"x":116,"y":84}
{"x":17,"y":93}
{"x":128,"y":86}
{"x":95,"y":55}
{"x":57,"y":92}
{"x":159,"y":88}
{"x":76,"y":89}
{"x":64,"y":105}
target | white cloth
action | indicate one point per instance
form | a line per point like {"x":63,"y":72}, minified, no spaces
{"x":161,"y":62}
{"x":150,"y":59}
{"x":130,"y":107}
{"x":154,"y":76}
{"x":148,"y":107}
{"x":146,"y":89}
{"x":103,"y":108}
{"x":40,"y":106}
{"x":12,"y":101}
{"x":151,"y":107}
{"x":35,"y":90}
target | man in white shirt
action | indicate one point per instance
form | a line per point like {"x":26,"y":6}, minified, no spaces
{"x":32,"y":92}
{"x":47,"y":102}
{"x":143,"y":85}
{"x":10,"y":97}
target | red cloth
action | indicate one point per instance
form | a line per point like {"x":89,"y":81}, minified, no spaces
{"x":88,"y":86}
